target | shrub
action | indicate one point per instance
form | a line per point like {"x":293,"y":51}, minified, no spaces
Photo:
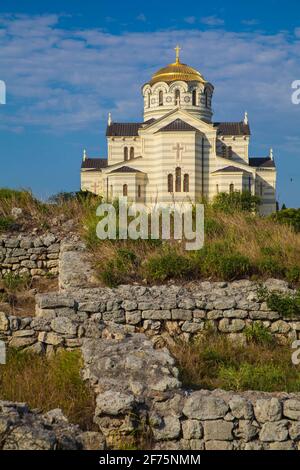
{"x":236,"y":201}
{"x":293,"y":274}
{"x":289,"y":217}
{"x":220,"y":260}
{"x":269,"y":266}
{"x":213,"y":227}
{"x":169,"y":265}
{"x":13,"y":282}
{"x":266,"y":377}
{"x":286,"y":305}
{"x":257,"y":333}
{"x":120,"y":269}
{"x":6,"y":223}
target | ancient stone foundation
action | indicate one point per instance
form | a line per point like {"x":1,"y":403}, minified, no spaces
{"x":29,"y":255}
{"x":122,"y":333}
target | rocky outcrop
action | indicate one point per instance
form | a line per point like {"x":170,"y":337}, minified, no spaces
{"x":138,"y":391}
{"x":22,"y":429}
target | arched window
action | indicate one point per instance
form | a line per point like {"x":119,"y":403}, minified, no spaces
{"x":186,"y":183}
{"x":125,"y":153}
{"x":231,"y":188}
{"x":131,"y":153}
{"x":139,"y":191}
{"x":224,"y":151}
{"x":170,"y":183}
{"x":178,"y":180}
{"x":229,"y":152}
{"x":160,"y":98}
{"x":217,"y":189}
{"x":194,"y":98}
{"x":125,"y":190}
{"x":149,"y":100}
{"x":177,"y":96}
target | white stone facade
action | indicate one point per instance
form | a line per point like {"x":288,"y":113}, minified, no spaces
{"x":178,"y":153}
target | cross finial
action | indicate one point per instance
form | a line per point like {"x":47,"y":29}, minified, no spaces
{"x":177,"y":49}
{"x":84,"y":155}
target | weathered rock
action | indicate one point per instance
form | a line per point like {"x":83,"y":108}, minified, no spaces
{"x":200,"y":406}
{"x":64,"y":326}
{"x":218,"y":430}
{"x":218,"y":445}
{"x":291,"y":409}
{"x":114,"y":403}
{"x":170,"y":429}
{"x":276,"y":431}
{"x":192,"y":429}
{"x":241,"y":408}
{"x":268,"y":410}
{"x":4,"y":322}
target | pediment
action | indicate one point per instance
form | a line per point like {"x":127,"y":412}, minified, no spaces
{"x":177,"y":120}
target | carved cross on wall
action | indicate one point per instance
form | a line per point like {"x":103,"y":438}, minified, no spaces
{"x":96,"y":185}
{"x":179,"y":149}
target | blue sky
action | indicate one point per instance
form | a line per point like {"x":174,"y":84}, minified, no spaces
{"x":66,"y":64}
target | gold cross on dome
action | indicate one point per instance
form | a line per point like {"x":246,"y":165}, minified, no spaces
{"x":177,"y":49}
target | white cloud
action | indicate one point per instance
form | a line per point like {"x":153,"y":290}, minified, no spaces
{"x":190,"y":19}
{"x":212,"y":20}
{"x":60,"y":80}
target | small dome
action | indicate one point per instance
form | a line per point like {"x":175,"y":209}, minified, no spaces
{"x":177,"y":71}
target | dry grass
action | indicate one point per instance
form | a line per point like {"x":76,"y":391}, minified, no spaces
{"x":261,"y":247}
{"x":48,"y":383}
{"x":40,"y":214}
{"x":211,"y":361}
{"x":17,"y":294}
{"x":252,"y":234}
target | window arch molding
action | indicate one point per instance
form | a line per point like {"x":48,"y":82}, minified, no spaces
{"x":178,"y":180}
{"x":186,"y":183}
{"x":170,"y":183}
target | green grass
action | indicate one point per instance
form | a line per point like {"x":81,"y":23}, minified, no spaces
{"x":48,"y":383}
{"x":212,"y":361}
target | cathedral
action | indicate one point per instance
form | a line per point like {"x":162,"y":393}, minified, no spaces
{"x":178,"y":154}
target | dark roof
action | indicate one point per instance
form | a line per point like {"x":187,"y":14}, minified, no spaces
{"x":265,"y":162}
{"x":231,"y":169}
{"x":126,"y":169}
{"x":232,"y":128}
{"x":126,"y":129}
{"x":94,"y":163}
{"x":177,"y":125}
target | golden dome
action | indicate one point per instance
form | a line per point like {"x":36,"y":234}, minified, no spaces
{"x":177,"y":71}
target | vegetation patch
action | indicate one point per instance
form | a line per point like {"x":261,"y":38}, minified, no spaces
{"x":212,"y":361}
{"x":17,"y":293}
{"x":287,"y":305}
{"x":48,"y":383}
